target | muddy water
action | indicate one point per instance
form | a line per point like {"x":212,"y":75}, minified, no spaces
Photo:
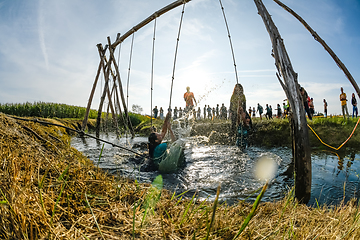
{"x":334,"y":177}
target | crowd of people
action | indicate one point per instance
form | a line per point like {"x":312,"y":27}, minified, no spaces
{"x":224,"y":113}
{"x":241,"y":123}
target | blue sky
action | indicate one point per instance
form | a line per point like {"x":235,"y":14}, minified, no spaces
{"x":48,"y":50}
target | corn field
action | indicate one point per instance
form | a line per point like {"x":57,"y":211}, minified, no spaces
{"x":45,"y":110}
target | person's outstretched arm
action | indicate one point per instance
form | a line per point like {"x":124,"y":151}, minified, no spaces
{"x":165,"y":125}
{"x":172,"y":136}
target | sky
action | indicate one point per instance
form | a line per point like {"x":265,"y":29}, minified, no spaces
{"x":48,"y":51}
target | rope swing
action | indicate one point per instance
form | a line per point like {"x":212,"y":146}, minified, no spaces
{"x":231,"y":46}
{"x":176,"y":49}
{"x":128,"y":76}
{"x":152,"y":71}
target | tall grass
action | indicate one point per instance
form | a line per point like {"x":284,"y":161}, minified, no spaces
{"x":57,"y":193}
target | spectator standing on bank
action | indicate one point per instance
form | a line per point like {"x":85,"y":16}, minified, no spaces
{"x":205,"y":112}
{"x":268,"y":111}
{"x":223,"y":111}
{"x":155,"y":111}
{"x":260,"y":109}
{"x":169,"y":111}
{"x":209,"y":111}
{"x":161,"y":113}
{"x":354,"y":104}
{"x":343,"y":101}
{"x":279,"y":112}
{"x":311,"y":107}
{"x":175,"y":113}
{"x":253,"y":112}
{"x":305,"y":96}
{"x":198,"y":113}
{"x":325,"y":108}
{"x":180,"y":112}
{"x":250,"y":111}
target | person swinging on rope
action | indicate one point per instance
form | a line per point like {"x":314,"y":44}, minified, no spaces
{"x":163,"y":158}
{"x":189,"y":98}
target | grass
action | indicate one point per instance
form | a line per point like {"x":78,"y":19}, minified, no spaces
{"x":52,"y":191}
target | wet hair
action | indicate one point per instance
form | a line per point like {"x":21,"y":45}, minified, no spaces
{"x":152,"y":144}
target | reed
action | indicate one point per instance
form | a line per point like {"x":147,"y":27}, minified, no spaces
{"x":45,"y":110}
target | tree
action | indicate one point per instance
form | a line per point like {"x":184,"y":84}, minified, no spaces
{"x":137,"y":108}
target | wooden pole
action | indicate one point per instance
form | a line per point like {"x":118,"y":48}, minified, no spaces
{"x":299,"y":130}
{"x":113,"y":112}
{"x":112,"y":59}
{"x":91,"y":97}
{"x":117,"y":101}
{"x":323,"y":43}
{"x":106,"y":73}
{"x":148,"y":20}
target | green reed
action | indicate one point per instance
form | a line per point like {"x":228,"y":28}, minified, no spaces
{"x":45,"y":110}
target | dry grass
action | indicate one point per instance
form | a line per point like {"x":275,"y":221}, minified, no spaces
{"x":51,"y":191}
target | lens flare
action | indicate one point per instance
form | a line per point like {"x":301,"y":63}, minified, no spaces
{"x":265,"y":168}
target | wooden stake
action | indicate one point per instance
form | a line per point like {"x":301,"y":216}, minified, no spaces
{"x":106,"y":73}
{"x":112,"y":59}
{"x":299,"y":130}
{"x":114,"y":117}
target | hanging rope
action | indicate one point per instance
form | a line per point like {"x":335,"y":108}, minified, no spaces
{"x":128,"y":76}
{"x":176,"y":49}
{"x":342,"y":143}
{"x":119,"y":55}
{"x":152,"y":70}
{"x":231,"y":46}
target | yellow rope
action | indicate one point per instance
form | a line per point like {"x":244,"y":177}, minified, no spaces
{"x":342,"y":143}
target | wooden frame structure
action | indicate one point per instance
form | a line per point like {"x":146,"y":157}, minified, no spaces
{"x":105,"y":67}
{"x":286,"y":76}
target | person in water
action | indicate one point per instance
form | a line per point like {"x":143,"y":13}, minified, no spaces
{"x":238,"y":97}
{"x":157,"y":148}
{"x":243,"y":129}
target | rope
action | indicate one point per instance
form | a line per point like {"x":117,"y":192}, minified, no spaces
{"x":176,"y":49}
{"x":152,"y":71}
{"x":119,"y":54}
{"x":342,"y":143}
{"x":231,"y":46}
{"x":128,"y":76}
{"x":81,"y":133}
